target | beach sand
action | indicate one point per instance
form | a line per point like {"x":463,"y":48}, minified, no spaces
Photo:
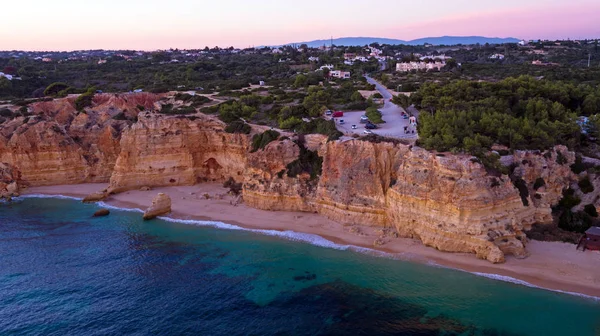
{"x":551,"y":265}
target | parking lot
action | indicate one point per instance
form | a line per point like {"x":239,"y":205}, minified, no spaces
{"x":393,"y":126}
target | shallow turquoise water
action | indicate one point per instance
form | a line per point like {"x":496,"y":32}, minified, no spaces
{"x":65,"y":273}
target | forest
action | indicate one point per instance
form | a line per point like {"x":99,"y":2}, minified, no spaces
{"x":519,"y":113}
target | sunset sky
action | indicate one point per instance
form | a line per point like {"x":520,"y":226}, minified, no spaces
{"x":153,"y":24}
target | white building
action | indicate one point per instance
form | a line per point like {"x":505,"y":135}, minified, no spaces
{"x":7,"y":76}
{"x":328,"y":66}
{"x":406,"y":67}
{"x":497,"y":57}
{"x":435,"y":58}
{"x":277,"y":51}
{"x":340,"y":74}
{"x":313,"y":59}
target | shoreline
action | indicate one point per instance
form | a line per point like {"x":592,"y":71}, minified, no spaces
{"x":551,"y":266}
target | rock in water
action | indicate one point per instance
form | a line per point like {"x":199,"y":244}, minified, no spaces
{"x":161,"y":205}
{"x":10,"y":178}
{"x":95,"y":197}
{"x":101,"y":213}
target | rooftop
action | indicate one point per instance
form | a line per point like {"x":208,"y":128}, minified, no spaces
{"x":594,"y":231}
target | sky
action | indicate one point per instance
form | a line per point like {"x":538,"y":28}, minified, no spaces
{"x":159,"y":24}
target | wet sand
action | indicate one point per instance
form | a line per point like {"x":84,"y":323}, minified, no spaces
{"x":551,"y":265}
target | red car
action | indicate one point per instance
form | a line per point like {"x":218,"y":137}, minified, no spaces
{"x":338,"y":114}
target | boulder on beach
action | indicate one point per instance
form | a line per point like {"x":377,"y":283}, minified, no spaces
{"x":95,"y":197}
{"x":161,"y":205}
{"x":101,"y":213}
{"x":145,"y":188}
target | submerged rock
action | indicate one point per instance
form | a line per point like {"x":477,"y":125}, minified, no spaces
{"x":161,"y":205}
{"x":101,"y":213}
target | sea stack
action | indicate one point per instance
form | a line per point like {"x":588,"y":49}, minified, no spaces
{"x":10,"y":177}
{"x":95,"y":197}
{"x":161,"y":205}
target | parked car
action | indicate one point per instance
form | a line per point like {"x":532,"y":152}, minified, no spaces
{"x":338,"y":114}
{"x":328,"y":112}
{"x":364,"y":117}
{"x":341,"y":121}
{"x":367,"y":131}
{"x":353,"y":126}
{"x":370,"y":126}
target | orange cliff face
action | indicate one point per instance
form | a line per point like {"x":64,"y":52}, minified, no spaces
{"x":447,"y":201}
{"x":168,"y":151}
{"x":59,"y":145}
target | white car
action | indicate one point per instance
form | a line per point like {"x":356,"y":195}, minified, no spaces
{"x":353,"y":126}
{"x":368,"y":131}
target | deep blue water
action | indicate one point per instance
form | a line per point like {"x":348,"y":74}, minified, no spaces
{"x":65,"y":273}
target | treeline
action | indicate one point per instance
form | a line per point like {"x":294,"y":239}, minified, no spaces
{"x":228,"y":72}
{"x":519,"y":113}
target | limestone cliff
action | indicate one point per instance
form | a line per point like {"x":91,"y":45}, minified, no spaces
{"x":163,"y":151}
{"x":449,"y":202}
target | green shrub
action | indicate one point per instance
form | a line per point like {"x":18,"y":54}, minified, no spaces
{"x":290,"y":122}
{"x":84,"y":100}
{"x":539,"y":182}
{"x":569,"y":199}
{"x":55,"y":88}
{"x":575,"y":221}
{"x":308,"y":162}
{"x":585,"y":185}
{"x":238,"y":126}
{"x":320,"y":126}
{"x":260,"y":141}
{"x":374,"y":115}
{"x":590,"y":209}
{"x":560,"y":158}
{"x":578,"y":167}
{"x":377,"y":95}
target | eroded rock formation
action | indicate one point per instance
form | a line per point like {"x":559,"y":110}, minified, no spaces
{"x":10,"y":180}
{"x":449,"y":202}
{"x":161,"y":205}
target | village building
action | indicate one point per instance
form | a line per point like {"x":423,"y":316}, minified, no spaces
{"x":406,"y":67}
{"x":340,"y":74}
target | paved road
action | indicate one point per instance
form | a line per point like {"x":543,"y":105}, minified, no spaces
{"x":392,"y":115}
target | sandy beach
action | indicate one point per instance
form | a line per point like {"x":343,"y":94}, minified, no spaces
{"x":551,"y":265}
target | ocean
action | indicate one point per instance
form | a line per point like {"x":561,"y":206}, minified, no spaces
{"x":63,"y":272}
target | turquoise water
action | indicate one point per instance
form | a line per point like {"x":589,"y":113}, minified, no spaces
{"x":65,"y":273}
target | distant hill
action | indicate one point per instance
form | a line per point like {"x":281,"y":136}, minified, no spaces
{"x":445,"y":40}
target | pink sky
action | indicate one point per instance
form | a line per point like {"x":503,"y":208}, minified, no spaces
{"x":152,"y":24}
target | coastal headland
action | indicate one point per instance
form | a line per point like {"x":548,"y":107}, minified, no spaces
{"x":369,"y":192}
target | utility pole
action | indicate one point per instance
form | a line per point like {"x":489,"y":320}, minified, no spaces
{"x":589,"y":59}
